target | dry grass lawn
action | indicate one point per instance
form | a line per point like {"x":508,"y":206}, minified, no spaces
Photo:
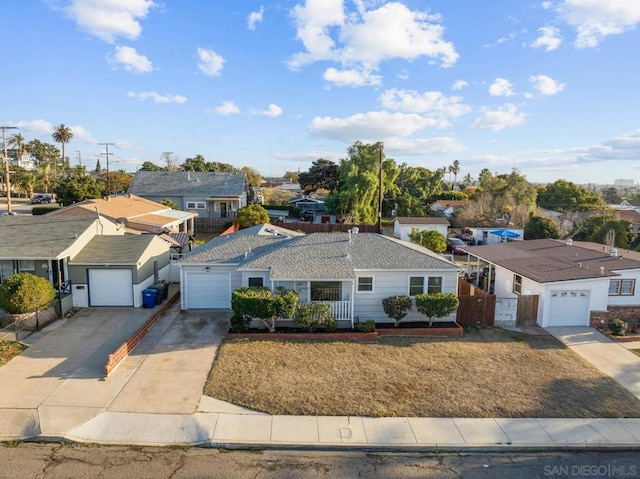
{"x":9,"y":349}
{"x":487,"y":373}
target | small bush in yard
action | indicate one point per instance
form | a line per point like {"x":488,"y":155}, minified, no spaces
{"x":618,"y":327}
{"x":240,"y":323}
{"x":261,"y":303}
{"x":436,"y":305}
{"x":25,"y":293}
{"x":369,"y":326}
{"x":315,"y":315}
{"x":396,"y":307}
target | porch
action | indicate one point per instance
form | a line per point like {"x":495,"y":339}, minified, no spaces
{"x":337,"y":294}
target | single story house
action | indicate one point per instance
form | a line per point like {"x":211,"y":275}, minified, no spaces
{"x":632,"y":216}
{"x":403,"y":226}
{"x":134,"y":213}
{"x":44,"y":246}
{"x":351,"y":271}
{"x":209,"y":194}
{"x":114,"y":270}
{"x":571,"y":279}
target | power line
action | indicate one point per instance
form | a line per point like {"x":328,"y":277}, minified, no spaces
{"x":106,"y":153}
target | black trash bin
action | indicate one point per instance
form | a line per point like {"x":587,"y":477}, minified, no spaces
{"x":158,"y":290}
{"x":164,"y":287}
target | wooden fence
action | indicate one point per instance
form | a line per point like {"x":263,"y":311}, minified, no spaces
{"x":477,"y":307}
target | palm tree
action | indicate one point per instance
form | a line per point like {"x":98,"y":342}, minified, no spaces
{"x":61,"y":134}
{"x":17,"y":142}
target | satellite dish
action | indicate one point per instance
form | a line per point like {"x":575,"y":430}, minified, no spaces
{"x":122,"y":220}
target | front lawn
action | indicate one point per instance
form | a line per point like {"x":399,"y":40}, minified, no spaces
{"x":9,"y":349}
{"x":486,"y":373}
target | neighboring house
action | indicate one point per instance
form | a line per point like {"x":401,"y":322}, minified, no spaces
{"x":403,"y":226}
{"x":26,"y":160}
{"x":44,"y":245}
{"x":210,"y":194}
{"x":632,"y":216}
{"x":447,"y":208}
{"x":487,"y":235}
{"x":114,"y":270}
{"x":351,"y":271}
{"x":571,"y":279}
{"x":135,"y":214}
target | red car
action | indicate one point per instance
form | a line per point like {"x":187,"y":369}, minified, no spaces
{"x":455,"y":245}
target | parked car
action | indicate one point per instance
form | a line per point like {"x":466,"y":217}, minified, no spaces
{"x":41,"y":198}
{"x":467,"y":238}
{"x":455,"y":245}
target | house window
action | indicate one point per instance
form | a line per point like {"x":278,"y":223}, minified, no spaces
{"x":517,"y":284}
{"x":6,"y":269}
{"x":434,"y":285}
{"x":365,"y":284}
{"x":196,"y":205}
{"x":326,"y":291}
{"x":256,"y":281}
{"x":622,"y":287}
{"x":27,"y":266}
{"x":416,"y":285}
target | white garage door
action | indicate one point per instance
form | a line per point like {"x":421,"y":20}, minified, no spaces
{"x":208,"y":290}
{"x":110,"y":287}
{"x":569,"y":308}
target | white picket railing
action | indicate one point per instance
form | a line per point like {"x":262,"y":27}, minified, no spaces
{"x":340,"y":309}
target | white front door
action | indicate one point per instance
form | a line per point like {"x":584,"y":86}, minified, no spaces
{"x":110,"y":287}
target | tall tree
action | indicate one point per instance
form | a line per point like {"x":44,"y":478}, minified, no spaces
{"x":253,"y":177}
{"x":596,"y":228}
{"x":43,"y":152}
{"x":61,"y":134}
{"x":563,"y":195}
{"x":415,"y":187}
{"x":197,"y":163}
{"x":17,"y":142}
{"x":455,"y":169}
{"x":292,"y":175}
{"x":149,"y":166}
{"x":323,"y":174}
{"x":357,"y":196}
{"x":78,"y":185}
{"x":539,"y":227}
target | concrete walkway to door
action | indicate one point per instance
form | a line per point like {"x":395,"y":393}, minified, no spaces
{"x":608,"y":356}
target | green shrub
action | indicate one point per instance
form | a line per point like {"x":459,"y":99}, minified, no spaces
{"x":369,"y":326}
{"x":436,"y":305}
{"x":240,"y":323}
{"x":618,"y":327}
{"x":396,"y":307}
{"x":25,"y":293}
{"x":261,"y":303}
{"x":43,"y":210}
{"x":315,"y":315}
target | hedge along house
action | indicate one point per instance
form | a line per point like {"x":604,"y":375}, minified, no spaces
{"x":210,"y":194}
{"x":113,"y":271}
{"x":353,"y":272}
{"x":44,"y":246}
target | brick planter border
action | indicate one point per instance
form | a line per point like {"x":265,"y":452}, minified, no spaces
{"x":428,"y":332}
{"x":350,"y":337}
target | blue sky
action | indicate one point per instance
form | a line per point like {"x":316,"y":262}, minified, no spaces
{"x":548,"y":87}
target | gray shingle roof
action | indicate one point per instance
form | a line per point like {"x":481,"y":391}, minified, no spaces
{"x":126,"y":249}
{"x":333,"y":256}
{"x":187,"y":183}
{"x":231,"y":249}
{"x":548,"y":260}
{"x":422,"y":220}
{"x":39,"y":237}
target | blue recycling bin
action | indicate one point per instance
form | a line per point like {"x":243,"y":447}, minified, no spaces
{"x":149,"y":298}
{"x":158,"y":290}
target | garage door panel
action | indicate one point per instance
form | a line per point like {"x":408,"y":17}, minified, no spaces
{"x":110,"y":287}
{"x":569,"y":308}
{"x":208,"y":290}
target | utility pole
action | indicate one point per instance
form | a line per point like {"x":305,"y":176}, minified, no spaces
{"x":106,"y":153}
{"x":380,"y":192}
{"x":79,"y":157}
{"x":7,"y":179}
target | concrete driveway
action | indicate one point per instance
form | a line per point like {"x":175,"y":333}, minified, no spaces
{"x":58,"y":383}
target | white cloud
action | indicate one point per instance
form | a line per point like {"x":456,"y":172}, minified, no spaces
{"x":371,"y":126}
{"x":499,"y":118}
{"x":131,"y":60}
{"x":625,"y":147}
{"x":353,"y":78}
{"x":273,"y":111}
{"x":546,"y":85}
{"x":432,"y":103}
{"x":210,"y":63}
{"x":549,"y":39}
{"x":422,"y":146}
{"x":596,"y":19}
{"x":365,"y":38}
{"x":227,"y":108}
{"x":108,"y":19}
{"x":501,"y":87}
{"x":80,"y":133}
{"x":157,"y":97}
{"x":459,"y":85}
{"x":255,"y":17}
{"x":123,"y":144}
{"x":37,"y":127}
